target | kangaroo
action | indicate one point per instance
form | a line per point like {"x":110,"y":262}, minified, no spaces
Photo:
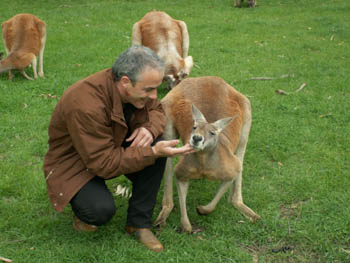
{"x":215,"y":119}
{"x":24,"y":37}
{"x":169,"y":39}
{"x":251,"y":3}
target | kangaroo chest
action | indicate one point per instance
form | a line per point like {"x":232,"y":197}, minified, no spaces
{"x":202,"y":166}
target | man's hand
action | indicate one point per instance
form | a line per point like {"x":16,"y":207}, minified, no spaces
{"x":168,"y":149}
{"x":141,"y":137}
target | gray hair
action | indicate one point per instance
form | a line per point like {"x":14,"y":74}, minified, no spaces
{"x":134,"y":60}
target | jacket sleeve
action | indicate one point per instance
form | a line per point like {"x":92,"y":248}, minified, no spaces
{"x":156,"y":123}
{"x":93,"y":140}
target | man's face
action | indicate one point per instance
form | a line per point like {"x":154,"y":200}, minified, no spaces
{"x":145,"y":89}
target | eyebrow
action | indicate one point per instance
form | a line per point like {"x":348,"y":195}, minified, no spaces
{"x":150,"y":88}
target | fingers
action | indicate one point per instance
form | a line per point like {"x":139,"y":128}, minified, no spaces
{"x":168,"y":148}
{"x":141,"y":137}
{"x":171,"y":143}
{"x":132,"y":136}
{"x":142,"y":141}
{"x":184,"y":150}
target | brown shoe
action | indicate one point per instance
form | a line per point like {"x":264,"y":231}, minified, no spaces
{"x":146,"y":237}
{"x":79,"y":225}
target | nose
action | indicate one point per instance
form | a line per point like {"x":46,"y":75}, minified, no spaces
{"x":197,"y":138}
{"x":153,"y":94}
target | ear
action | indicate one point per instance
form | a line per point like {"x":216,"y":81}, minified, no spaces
{"x":197,"y":115}
{"x":183,"y":75}
{"x":169,"y":78}
{"x":222,"y":123}
{"x":125,"y":81}
{"x":1,"y":55}
{"x":188,"y":64}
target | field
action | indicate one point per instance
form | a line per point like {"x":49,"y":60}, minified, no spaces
{"x":290,"y":57}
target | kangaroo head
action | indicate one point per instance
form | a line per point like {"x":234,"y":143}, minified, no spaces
{"x":204,"y":135}
{"x":175,"y":73}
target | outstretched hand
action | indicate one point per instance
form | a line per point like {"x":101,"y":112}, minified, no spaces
{"x":169,"y":149}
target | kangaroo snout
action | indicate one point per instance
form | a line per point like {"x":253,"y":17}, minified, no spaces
{"x":197,"y":142}
{"x":197,"y":138}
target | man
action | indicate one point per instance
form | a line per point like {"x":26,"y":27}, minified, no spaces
{"x":106,"y":125}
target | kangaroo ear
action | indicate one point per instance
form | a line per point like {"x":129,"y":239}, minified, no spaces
{"x":197,"y":115}
{"x":170,"y":80}
{"x":222,"y":123}
{"x":183,"y":75}
{"x":188,"y":64}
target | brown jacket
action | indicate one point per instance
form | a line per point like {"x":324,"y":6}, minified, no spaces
{"x":86,"y":131}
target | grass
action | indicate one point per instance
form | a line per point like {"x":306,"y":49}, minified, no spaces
{"x":296,"y":171}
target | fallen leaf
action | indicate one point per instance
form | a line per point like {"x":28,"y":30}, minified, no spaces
{"x":301,"y":87}
{"x":281,"y":92}
{"x":332,"y":37}
{"x":325,"y":115}
{"x":25,"y":105}
{"x":197,"y":230}
{"x":196,"y":66}
{"x":123,"y":191}
{"x":346,"y":251}
{"x":51,"y":96}
{"x":286,"y":76}
{"x":261,"y":78}
{"x":5,"y":259}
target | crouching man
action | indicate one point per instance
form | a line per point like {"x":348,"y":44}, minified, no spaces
{"x":106,"y":125}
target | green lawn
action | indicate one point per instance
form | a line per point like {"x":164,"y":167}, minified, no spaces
{"x":297,"y":164}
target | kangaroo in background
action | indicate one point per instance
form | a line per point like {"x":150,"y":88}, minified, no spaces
{"x":169,"y":39}
{"x":215,"y":119}
{"x":251,"y":3}
{"x":24,"y":37}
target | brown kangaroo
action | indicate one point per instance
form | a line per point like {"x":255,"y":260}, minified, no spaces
{"x":215,"y":119}
{"x":251,"y":3}
{"x":169,"y":39}
{"x":24,"y":37}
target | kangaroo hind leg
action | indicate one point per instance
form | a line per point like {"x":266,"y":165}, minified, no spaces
{"x":207,"y":209}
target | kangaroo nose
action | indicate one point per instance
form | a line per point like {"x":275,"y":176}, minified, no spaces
{"x":197,"y":138}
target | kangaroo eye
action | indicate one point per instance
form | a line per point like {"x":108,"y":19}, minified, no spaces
{"x":212,"y":133}
{"x":194,"y":127}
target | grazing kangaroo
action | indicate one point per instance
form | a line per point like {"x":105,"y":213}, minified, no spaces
{"x":215,"y":119}
{"x":251,"y":3}
{"x":24,"y":37}
{"x":169,"y":39}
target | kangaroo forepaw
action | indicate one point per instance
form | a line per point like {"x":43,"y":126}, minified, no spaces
{"x":254,"y":218}
{"x":187,"y":228}
{"x":202,"y":210}
{"x":162,"y":217}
